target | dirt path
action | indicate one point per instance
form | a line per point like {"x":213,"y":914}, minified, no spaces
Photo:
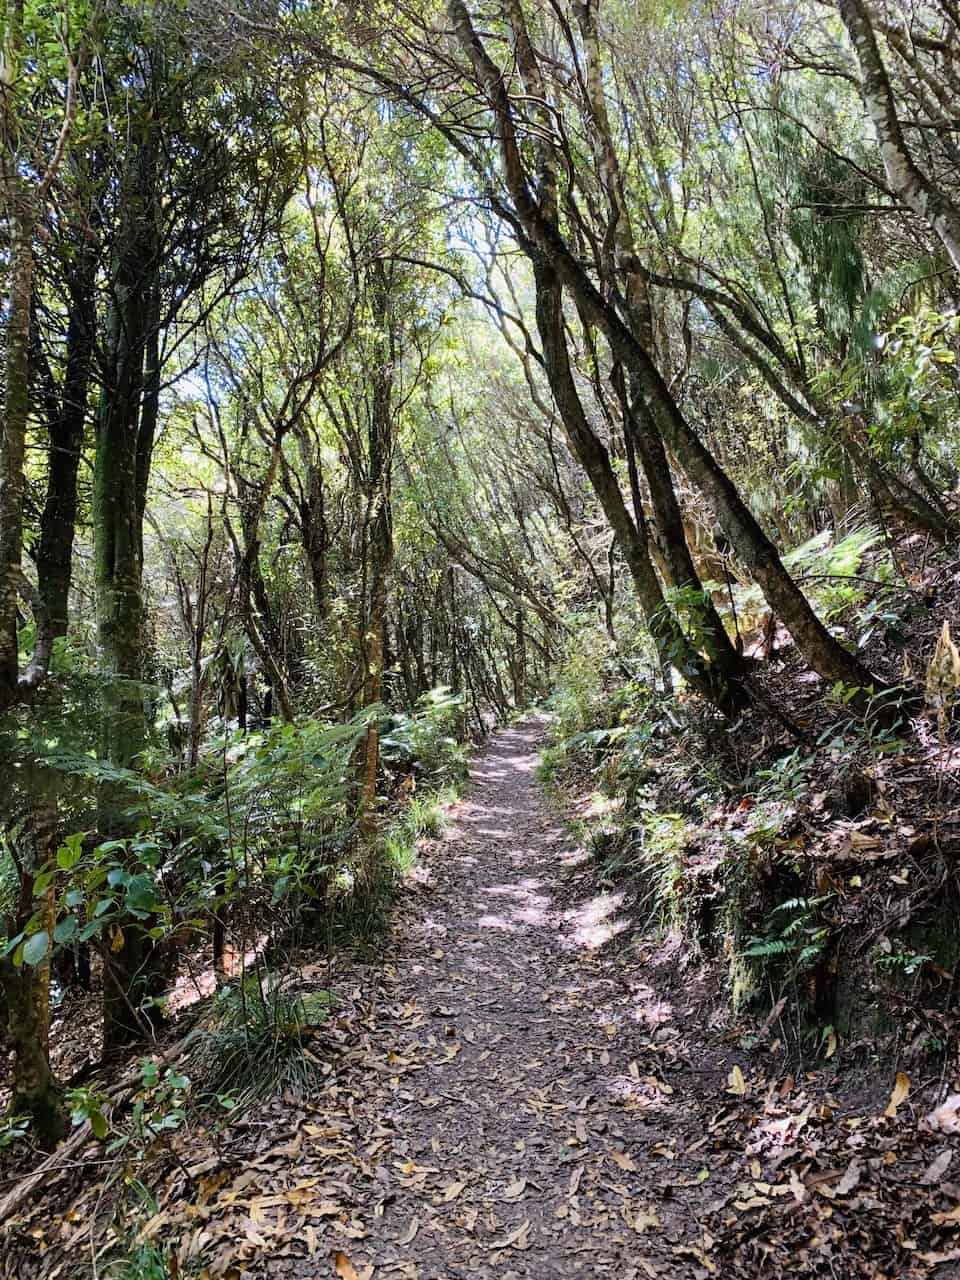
{"x":510,"y":1092}
{"x":543,"y":1127}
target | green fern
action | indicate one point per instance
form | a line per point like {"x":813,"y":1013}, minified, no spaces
{"x":760,"y":947}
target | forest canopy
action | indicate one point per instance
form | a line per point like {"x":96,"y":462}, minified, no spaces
{"x":373,"y":373}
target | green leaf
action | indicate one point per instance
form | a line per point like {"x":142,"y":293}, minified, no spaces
{"x":66,"y":929}
{"x":141,"y":894}
{"x":42,"y":883}
{"x":12,"y":944}
{"x":69,"y":853}
{"x":36,"y":947}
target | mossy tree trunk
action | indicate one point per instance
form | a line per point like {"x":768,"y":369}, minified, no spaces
{"x":124,"y":438}
{"x":13,"y":437}
{"x":34,"y":1091}
{"x":378,"y":529}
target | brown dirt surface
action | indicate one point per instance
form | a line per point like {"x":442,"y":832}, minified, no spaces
{"x":514,"y":1090}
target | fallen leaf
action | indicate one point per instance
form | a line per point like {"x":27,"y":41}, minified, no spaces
{"x":452,"y":1191}
{"x":344,"y":1267}
{"x":645,"y":1220}
{"x":623,"y":1161}
{"x":937,"y":1168}
{"x":937,"y":1259}
{"x":900,"y":1090}
{"x":755,"y":1202}
{"x":861,"y":840}
{"x":516,"y":1239}
{"x":736,"y":1083}
{"x":411,"y":1231}
{"x":686,"y":1251}
{"x":946,"y":1118}
{"x":850,"y":1179}
{"x":514,"y":1190}
{"x":324,"y":1209}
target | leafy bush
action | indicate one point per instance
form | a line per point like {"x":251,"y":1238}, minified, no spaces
{"x":428,"y":739}
{"x":579,"y":689}
{"x":263,"y":823}
{"x":919,"y":393}
{"x":828,"y":569}
{"x":423,"y":816}
{"x":654,"y":852}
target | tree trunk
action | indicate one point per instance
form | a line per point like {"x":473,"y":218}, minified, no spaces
{"x":904,"y":175}
{"x":671,"y":644}
{"x":672,"y":542}
{"x":544,"y":242}
{"x":132,"y":976}
{"x":825,"y":654}
{"x":313,"y":522}
{"x":66,"y":430}
{"x":667,"y":521}
{"x":21,"y":215}
{"x":34,"y":1089}
{"x":379,"y":535}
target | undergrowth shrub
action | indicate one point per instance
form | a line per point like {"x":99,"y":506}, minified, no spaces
{"x":653,"y":852}
{"x":578,"y":700}
{"x":604,"y":710}
{"x":259,"y":1043}
{"x":424,"y":816}
{"x":146,"y":1261}
{"x":261,"y":836}
{"x":829,"y":570}
{"x":428,"y":739}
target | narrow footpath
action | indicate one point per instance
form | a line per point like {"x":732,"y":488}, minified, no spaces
{"x":544,"y":1119}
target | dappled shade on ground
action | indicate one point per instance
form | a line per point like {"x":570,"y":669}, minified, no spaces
{"x":517,"y":1090}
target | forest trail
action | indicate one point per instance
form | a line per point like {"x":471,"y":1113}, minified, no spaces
{"x":541,"y":1122}
{"x":521,"y":1085}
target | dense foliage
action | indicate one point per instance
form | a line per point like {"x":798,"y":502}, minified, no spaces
{"x":370,"y":372}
